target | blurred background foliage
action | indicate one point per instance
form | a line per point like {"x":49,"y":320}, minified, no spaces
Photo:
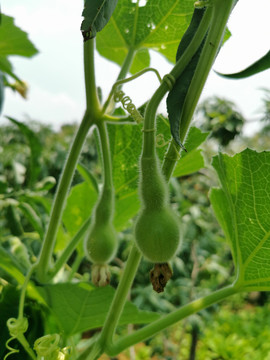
{"x":231,"y":330}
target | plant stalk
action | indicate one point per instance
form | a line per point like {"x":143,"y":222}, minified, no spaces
{"x":170,"y":319}
{"x":151,"y":109}
{"x":120,"y":297}
{"x":221,"y":12}
{"x":88,"y":120}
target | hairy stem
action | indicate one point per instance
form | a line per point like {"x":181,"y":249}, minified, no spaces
{"x":170,"y":319}
{"x":89,"y":119}
{"x":106,"y":155}
{"x":221,"y":12}
{"x":151,"y":109}
{"x":92,"y":102}
{"x":120,"y":297}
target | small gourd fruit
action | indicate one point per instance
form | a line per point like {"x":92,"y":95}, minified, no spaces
{"x":157,"y":232}
{"x":101,"y":240}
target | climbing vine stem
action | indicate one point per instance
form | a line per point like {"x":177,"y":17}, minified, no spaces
{"x":88,"y":120}
{"x":170,"y":319}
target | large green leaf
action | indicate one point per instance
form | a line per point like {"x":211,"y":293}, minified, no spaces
{"x":258,"y":66}
{"x":157,"y":25}
{"x":96,"y":15}
{"x":14,"y":41}
{"x":242,"y":207}
{"x":80,"y":307}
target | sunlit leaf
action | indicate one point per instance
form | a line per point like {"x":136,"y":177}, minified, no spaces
{"x":14,"y":41}
{"x":157,"y":25}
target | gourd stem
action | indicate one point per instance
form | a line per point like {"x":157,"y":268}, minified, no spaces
{"x":106,"y":155}
{"x":88,"y":120}
{"x":151,"y":109}
{"x":92,"y":102}
{"x":221,"y":12}
{"x":170,"y":319}
{"x":120,"y":297}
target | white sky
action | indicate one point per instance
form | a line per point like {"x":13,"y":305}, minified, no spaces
{"x":55,"y":75}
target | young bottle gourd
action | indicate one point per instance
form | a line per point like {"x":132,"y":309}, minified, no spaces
{"x":101,"y":239}
{"x":157,"y":232}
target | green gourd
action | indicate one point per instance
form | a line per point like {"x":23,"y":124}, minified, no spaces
{"x":101,"y":240}
{"x":157,"y":232}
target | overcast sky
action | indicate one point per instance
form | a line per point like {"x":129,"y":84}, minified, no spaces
{"x":55,"y":75}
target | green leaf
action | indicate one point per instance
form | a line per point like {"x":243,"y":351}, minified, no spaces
{"x":87,"y":176}
{"x":14,"y":41}
{"x":80,"y":203}
{"x":258,"y":66}
{"x":32,"y":217}
{"x":242,"y":207}
{"x":36,"y":150}
{"x":125,"y":146}
{"x":158,"y":25}
{"x":141,"y":61}
{"x":1,"y":91}
{"x":177,"y":96}
{"x":192,"y":160}
{"x":80,"y":307}
{"x":9,"y":264}
{"x":6,"y":67}
{"x":96,"y":15}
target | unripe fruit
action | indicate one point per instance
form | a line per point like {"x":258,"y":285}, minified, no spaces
{"x":157,"y":234}
{"x":101,"y":243}
{"x":101,"y":240}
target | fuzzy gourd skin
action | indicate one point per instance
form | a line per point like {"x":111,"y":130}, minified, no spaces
{"x":101,"y":240}
{"x":157,"y":232}
{"x":101,"y":243}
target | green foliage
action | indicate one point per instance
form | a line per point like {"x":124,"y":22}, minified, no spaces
{"x":50,"y":264}
{"x":86,"y":307}
{"x":242,"y":206}
{"x":258,"y":66}
{"x":13,"y":41}
{"x":96,"y":14}
{"x":158,"y":25}
{"x":35,"y":148}
{"x":177,"y":94}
